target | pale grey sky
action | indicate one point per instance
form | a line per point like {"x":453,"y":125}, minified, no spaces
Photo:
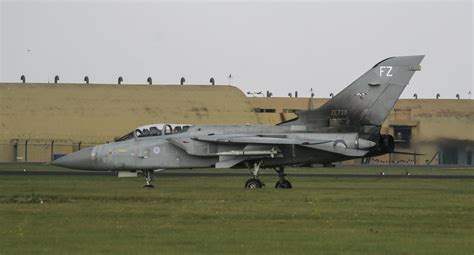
{"x":276,"y":46}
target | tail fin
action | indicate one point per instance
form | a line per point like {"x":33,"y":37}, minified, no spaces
{"x":366,"y":102}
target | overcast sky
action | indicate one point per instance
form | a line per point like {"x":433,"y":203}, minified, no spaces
{"x":276,"y":46}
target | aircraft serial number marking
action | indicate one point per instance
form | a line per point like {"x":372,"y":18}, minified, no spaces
{"x":338,"y":113}
{"x":384,"y":72}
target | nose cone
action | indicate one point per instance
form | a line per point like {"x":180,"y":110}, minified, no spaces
{"x":77,"y":160}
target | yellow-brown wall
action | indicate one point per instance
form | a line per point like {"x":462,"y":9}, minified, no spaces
{"x":93,"y":112}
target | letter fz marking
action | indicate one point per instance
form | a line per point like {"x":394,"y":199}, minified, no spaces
{"x":385,"y":70}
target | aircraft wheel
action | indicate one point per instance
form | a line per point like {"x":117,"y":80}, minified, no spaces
{"x":285,"y":184}
{"x":254,"y":184}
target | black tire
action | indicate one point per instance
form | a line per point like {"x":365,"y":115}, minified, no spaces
{"x":253,"y":184}
{"x":283,"y":185}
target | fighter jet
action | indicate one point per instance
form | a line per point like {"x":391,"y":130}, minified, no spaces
{"x":345,"y":127}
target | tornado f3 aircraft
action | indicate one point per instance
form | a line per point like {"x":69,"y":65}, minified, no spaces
{"x":345,"y":127}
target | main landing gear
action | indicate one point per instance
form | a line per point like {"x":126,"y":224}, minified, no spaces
{"x":148,"y":178}
{"x":282,"y":183}
{"x":255,"y":183}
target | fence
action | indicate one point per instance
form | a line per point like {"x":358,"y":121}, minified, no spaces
{"x":42,"y":151}
{"x":38,"y":151}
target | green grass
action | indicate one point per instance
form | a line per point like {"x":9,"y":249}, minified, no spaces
{"x":216,"y":215}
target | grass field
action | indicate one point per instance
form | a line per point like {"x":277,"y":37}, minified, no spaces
{"x":216,"y":215}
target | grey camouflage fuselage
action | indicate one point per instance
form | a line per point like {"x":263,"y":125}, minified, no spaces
{"x":345,"y":127}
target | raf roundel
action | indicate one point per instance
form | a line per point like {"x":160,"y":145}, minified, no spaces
{"x":156,"y":150}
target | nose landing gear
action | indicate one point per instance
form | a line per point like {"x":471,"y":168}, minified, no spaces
{"x":148,"y":178}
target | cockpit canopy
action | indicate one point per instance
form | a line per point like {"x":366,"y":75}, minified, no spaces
{"x":155,"y":130}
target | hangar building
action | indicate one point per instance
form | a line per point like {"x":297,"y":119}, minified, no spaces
{"x":42,"y":121}
{"x":441,"y":129}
